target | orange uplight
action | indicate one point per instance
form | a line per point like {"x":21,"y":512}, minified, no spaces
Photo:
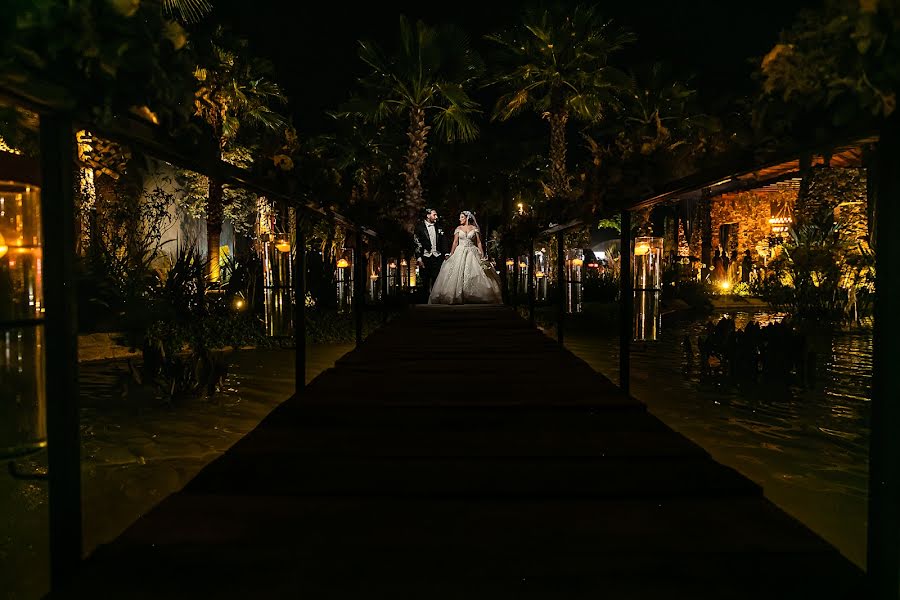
{"x":3,"y":247}
{"x":342,"y":263}
{"x":523,"y":264}
{"x":539,"y":274}
{"x":510,"y":262}
{"x":577,"y":262}
{"x":283,"y":245}
{"x":642,"y":249}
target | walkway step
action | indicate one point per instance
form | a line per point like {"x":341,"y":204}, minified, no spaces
{"x":246,"y":474}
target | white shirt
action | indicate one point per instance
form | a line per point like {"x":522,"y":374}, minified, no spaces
{"x":432,"y":235}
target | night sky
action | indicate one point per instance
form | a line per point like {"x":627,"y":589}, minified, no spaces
{"x":316,"y":62}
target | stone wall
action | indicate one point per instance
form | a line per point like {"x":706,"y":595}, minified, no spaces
{"x":750,"y":212}
{"x":841,"y":192}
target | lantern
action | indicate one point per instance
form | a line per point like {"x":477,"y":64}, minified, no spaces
{"x":278,"y":290}
{"x":523,"y":274}
{"x":574,"y":291}
{"x":344,"y":279}
{"x":282,"y":245}
{"x":647,"y":270}
{"x":393,"y":283}
{"x":373,"y":271}
{"x":23,"y":426}
{"x":540,"y":273}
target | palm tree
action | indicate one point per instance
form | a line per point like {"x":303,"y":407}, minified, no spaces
{"x":231,"y":93}
{"x":660,"y":134}
{"x":427,"y":82}
{"x":557,"y":63}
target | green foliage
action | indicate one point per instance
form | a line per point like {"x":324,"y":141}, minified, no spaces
{"x":695,"y":294}
{"x":837,"y":65}
{"x":822,"y":275}
{"x":239,"y":202}
{"x":600,"y":287}
{"x":558,"y":60}
{"x":183,"y":328}
{"x":432,"y":69}
{"x":232,"y":89}
{"x":108,"y":57}
{"x":614,"y":222}
{"x":659,"y":134}
{"x":117,"y":270}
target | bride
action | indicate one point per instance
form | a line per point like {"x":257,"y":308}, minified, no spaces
{"x":464,"y":278}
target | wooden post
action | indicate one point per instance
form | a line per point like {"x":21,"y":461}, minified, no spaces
{"x":530,"y":283}
{"x":563,"y":293}
{"x":626,"y":304}
{"x":515,"y":283}
{"x":705,"y":209}
{"x":299,"y":306}
{"x":61,"y":329}
{"x":384,"y":286}
{"x":504,"y":278}
{"x":359,"y":299}
{"x":883,"y":551}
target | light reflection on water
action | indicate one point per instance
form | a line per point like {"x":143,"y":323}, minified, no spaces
{"x":808,"y":448}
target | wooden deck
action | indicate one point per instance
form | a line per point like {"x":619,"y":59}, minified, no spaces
{"x":459,"y":453}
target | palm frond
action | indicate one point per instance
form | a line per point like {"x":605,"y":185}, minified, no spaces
{"x":188,"y":11}
{"x":561,"y":58}
{"x":509,"y":105}
{"x":455,"y":125}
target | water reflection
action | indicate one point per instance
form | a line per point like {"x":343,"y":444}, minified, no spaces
{"x":138,"y":449}
{"x":808,"y":447}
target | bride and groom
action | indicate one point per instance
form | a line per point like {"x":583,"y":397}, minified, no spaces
{"x":460,"y":275}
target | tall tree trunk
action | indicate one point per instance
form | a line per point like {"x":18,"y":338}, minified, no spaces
{"x":559,"y":177}
{"x":215,"y":207}
{"x":415,"y":160}
{"x":214,"y":215}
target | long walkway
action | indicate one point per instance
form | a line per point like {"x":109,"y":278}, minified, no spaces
{"x":459,"y":453}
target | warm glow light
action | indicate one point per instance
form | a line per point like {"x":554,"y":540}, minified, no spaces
{"x":510,"y":262}
{"x":521,"y":208}
{"x":342,"y":263}
{"x":403,"y":263}
{"x":593,"y":265}
{"x":725,"y":285}
{"x":522,"y":265}
{"x":3,"y":247}
{"x":577,"y":262}
{"x":539,"y":274}
{"x":283,"y":245}
{"x":239,"y":304}
{"x":641,"y":249}
{"x":392,"y":265}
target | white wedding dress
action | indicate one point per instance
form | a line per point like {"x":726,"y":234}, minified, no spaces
{"x":463,"y":279}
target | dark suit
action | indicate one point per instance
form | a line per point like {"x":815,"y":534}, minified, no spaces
{"x":431,"y":264}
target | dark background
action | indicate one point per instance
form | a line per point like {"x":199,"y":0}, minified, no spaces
{"x":313,"y":45}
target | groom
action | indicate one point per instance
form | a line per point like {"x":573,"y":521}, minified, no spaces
{"x":431,"y":248}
